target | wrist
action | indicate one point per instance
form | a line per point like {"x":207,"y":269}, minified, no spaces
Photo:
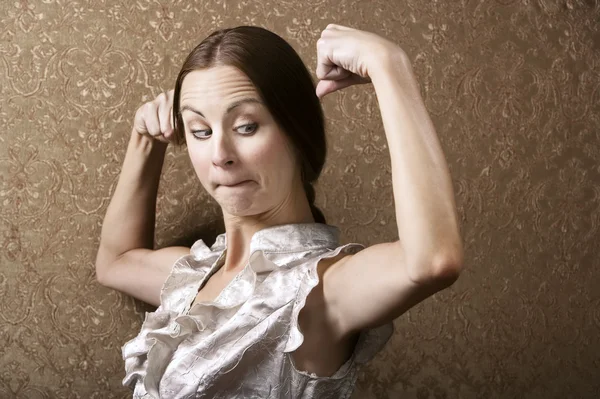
{"x":394,"y":76}
{"x":146,"y":144}
{"x":391,"y":61}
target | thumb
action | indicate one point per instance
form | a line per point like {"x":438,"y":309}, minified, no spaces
{"x":325,"y":87}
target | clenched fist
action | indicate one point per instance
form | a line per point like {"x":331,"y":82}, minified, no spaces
{"x":155,"y":118}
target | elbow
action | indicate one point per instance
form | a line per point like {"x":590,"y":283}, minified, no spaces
{"x":447,"y":270}
{"x":102,"y":265}
{"x":450,"y":264}
{"x":100,"y":272}
{"x":442,"y":269}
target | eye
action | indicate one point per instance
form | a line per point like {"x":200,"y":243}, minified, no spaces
{"x":247,"y":130}
{"x":253,"y":127}
{"x":194,"y":133}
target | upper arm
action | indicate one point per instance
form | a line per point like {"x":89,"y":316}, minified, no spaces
{"x":374,"y":287}
{"x":142,"y":272}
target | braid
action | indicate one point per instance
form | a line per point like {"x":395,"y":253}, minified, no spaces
{"x":310,"y":195}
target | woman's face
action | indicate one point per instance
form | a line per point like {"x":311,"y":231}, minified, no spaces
{"x":231,"y":137}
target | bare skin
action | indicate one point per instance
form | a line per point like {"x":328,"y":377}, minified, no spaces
{"x":221,"y":152}
{"x":355,"y":292}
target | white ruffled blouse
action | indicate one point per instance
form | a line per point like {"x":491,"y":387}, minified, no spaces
{"x":238,"y":346}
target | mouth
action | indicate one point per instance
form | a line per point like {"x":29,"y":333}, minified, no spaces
{"x":240,"y":184}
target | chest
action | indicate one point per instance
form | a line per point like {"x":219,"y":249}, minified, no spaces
{"x":322,"y":351}
{"x":211,"y":288}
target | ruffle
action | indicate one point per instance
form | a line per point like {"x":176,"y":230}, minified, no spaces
{"x":370,"y":341}
{"x":148,"y":355}
{"x":140,"y":352}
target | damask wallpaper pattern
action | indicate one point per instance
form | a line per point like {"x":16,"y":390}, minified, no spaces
{"x":513,"y":88}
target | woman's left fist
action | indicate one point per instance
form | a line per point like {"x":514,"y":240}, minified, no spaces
{"x":347,"y":56}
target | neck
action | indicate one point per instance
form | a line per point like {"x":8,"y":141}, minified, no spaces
{"x":240,"y":229}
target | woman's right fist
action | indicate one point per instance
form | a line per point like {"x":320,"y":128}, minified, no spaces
{"x":155,"y":118}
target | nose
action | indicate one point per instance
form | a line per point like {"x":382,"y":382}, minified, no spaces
{"x":223,"y":151}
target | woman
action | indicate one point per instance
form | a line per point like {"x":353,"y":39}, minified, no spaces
{"x":276,"y":308}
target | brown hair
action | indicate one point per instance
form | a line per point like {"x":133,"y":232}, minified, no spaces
{"x":284,"y":84}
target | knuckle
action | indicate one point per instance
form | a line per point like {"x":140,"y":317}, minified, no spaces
{"x":161,"y":100}
{"x":142,"y":111}
{"x":148,"y":111}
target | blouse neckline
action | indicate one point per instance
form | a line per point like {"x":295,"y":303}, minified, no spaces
{"x":279,"y":239}
{"x":289,"y":237}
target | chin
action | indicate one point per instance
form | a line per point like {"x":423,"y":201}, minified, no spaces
{"x":238,"y":207}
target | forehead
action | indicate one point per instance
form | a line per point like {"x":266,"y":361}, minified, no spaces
{"x":215,"y":84}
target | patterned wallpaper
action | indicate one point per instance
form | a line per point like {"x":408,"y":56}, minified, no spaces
{"x":513,"y":88}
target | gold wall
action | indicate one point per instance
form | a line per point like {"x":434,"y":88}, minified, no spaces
{"x":513,"y":89}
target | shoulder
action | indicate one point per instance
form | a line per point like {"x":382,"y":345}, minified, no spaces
{"x":319,"y":298}
{"x":336,"y":257}
{"x":325,"y":264}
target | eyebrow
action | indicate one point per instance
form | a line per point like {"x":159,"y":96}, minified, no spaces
{"x":229,"y":108}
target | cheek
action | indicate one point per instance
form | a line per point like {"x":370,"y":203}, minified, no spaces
{"x":275,"y":162}
{"x":201,"y":164}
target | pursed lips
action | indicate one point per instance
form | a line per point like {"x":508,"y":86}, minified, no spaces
{"x":236,"y":184}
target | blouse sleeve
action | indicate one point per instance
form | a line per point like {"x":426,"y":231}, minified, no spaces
{"x":370,"y":341}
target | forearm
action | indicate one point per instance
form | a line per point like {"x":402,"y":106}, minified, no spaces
{"x":130,"y":217}
{"x":423,"y":193}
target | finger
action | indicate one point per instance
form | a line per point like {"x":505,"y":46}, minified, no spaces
{"x":339,"y":27}
{"x":171,"y":124}
{"x":325,"y":87}
{"x":170,"y":95}
{"x":329,"y":32}
{"x":337,"y":73}
{"x":164,"y":119}
{"x":324,"y":62}
{"x":169,"y":133}
{"x":138,"y":121}
{"x":326,"y":68}
{"x":161,"y":138}
{"x":151,"y":119}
